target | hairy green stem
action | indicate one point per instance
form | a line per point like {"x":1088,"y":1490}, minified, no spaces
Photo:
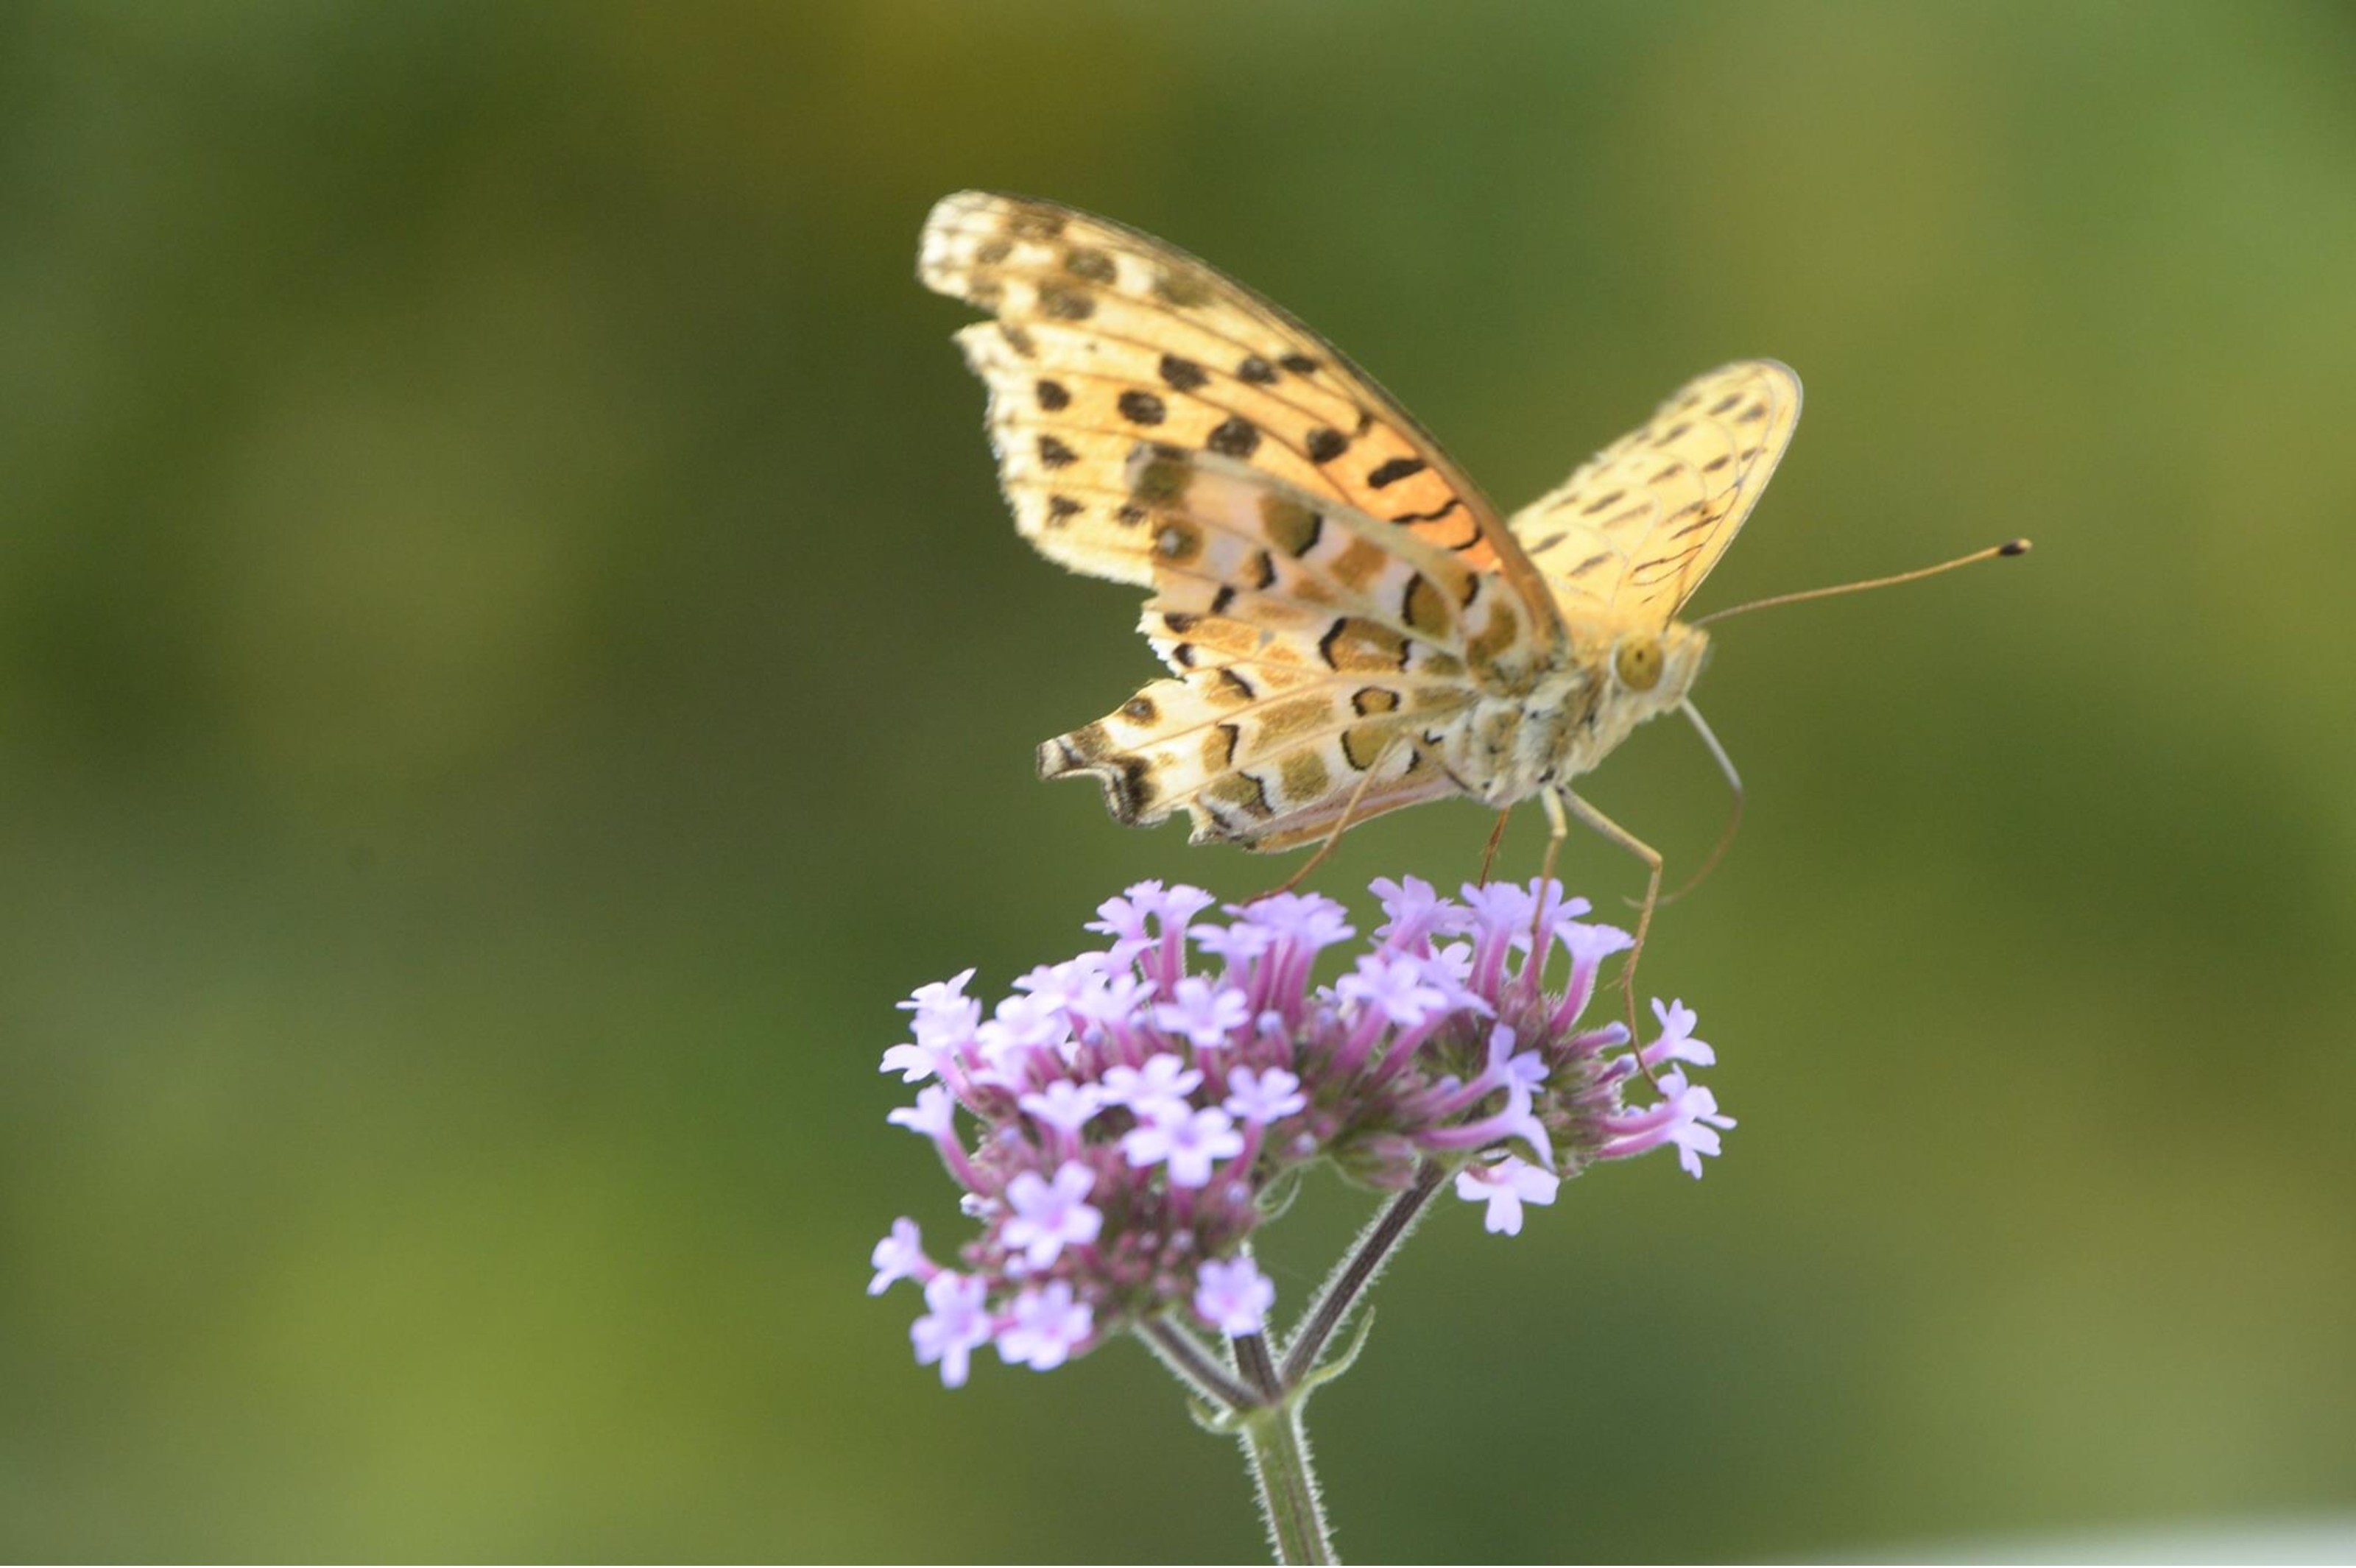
{"x":1179,"y":1351}
{"x":1349,"y":1282}
{"x":1277,"y":1450}
{"x":1260,"y":1400}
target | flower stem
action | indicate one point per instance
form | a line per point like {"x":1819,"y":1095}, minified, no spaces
{"x":1365,"y":1260}
{"x":1263,"y":1399}
{"x":1277,"y":1450}
{"x":1179,"y":1353}
{"x":1258,"y":1368}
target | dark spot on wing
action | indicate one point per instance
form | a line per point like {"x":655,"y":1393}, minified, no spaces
{"x":1184,"y":375}
{"x":1093,"y":265}
{"x":1237,"y":438}
{"x":1060,"y":303}
{"x":1290,"y":526}
{"x":1181,"y":289}
{"x":1033,"y":224}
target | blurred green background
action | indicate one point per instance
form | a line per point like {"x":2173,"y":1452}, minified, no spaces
{"x":512,"y":661}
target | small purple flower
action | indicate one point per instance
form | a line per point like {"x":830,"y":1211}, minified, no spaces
{"x":1047,"y":1326}
{"x":1311,"y":919}
{"x":1050,"y":1216}
{"x":955,"y":1325}
{"x":944,"y":1020}
{"x":1695,"y":1130}
{"x":1174,"y":906}
{"x":1239,"y":943}
{"x":1499,"y":909}
{"x":1259,"y":1098}
{"x":1123,"y":919}
{"x":899,"y":1256}
{"x":1399,"y":987}
{"x":1505,"y":1185}
{"x":941,"y":998}
{"x":1111,"y":997}
{"x":915,"y":1063}
{"x":1024,"y":1021}
{"x":1417,"y":913}
{"x":1686,"y":1116}
{"x":1057,"y":984}
{"x":1527,"y":1068}
{"x":1063,"y":1104}
{"x":1233,"y":1296}
{"x":1164,"y":1083}
{"x":1676,"y":1043}
{"x":1592,"y":945}
{"x":1187,"y":1141}
{"x":934,"y":1114}
{"x":1203,"y":1013}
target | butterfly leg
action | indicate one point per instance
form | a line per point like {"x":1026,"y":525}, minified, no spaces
{"x":1349,"y":810}
{"x":1734,"y":817}
{"x":1652,"y":858}
{"x":1496,"y":836}
{"x":1558,"y":830}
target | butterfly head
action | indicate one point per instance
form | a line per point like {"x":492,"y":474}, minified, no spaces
{"x":1654,"y":670}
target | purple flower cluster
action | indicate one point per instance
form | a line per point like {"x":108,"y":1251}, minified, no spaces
{"x":1134,"y":1111}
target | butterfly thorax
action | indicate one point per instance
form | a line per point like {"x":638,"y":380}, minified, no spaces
{"x":1508,"y":746}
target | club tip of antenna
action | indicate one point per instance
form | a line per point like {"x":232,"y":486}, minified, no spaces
{"x":2013,"y":547}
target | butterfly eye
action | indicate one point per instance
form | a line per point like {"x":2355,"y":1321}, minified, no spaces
{"x":1638,"y":663}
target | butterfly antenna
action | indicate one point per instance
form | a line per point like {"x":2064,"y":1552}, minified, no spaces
{"x":2010,"y":547}
{"x":1734,"y":819}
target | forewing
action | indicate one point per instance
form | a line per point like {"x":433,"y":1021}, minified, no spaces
{"x":1631,"y":535}
{"x":1106,"y":336}
{"x":1314,"y":650}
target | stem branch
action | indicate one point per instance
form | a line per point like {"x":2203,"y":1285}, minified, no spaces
{"x":1181,"y":1353}
{"x":1358,"y":1271}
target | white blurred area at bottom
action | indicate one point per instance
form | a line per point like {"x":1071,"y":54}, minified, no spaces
{"x":2311,"y":1537}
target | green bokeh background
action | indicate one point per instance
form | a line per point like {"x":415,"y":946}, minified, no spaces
{"x":511,"y":660}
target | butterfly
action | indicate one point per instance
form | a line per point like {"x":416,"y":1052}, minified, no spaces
{"x":1350,"y":625}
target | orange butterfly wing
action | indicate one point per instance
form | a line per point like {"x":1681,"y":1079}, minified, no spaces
{"x":1631,"y":535}
{"x":1107,"y":336}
